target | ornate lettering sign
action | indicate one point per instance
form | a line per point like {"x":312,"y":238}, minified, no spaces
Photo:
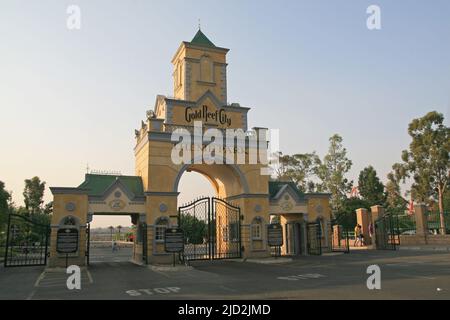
{"x":275,"y":235}
{"x":67,"y":240}
{"x":204,"y":114}
{"x":174,"y":240}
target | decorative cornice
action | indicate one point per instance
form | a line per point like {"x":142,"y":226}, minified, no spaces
{"x":161,"y":193}
{"x":247,"y":195}
{"x":64,"y":190}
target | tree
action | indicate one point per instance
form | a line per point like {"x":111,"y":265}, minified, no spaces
{"x":394,"y":200}
{"x":33,"y":195}
{"x":331,"y":172}
{"x":370,"y":187}
{"x":195,"y":230}
{"x":5,"y":198}
{"x":346,"y":216}
{"x":119,"y":227}
{"x":299,"y":168}
{"x":427,"y":161}
{"x":48,"y":208}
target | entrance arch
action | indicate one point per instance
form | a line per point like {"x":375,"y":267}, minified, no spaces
{"x":227,"y":180}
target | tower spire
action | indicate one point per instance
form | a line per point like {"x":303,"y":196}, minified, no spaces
{"x":199,"y":25}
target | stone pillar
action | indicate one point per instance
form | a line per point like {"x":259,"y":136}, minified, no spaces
{"x":363,"y":219}
{"x":376,"y":213}
{"x":421,"y":223}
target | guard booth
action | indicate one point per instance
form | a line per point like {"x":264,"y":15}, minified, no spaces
{"x":304,"y":217}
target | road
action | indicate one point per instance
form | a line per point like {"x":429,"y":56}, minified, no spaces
{"x":404,"y":275}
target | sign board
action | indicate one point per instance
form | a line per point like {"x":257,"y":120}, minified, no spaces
{"x":275,"y":235}
{"x":67,"y":240}
{"x":174,"y":240}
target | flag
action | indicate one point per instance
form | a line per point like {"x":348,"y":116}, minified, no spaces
{"x":411,"y":207}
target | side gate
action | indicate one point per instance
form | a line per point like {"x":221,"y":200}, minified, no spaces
{"x":339,"y":237}
{"x":314,"y":238}
{"x":386,"y":233}
{"x":26,"y":242}
{"x":212,"y":229}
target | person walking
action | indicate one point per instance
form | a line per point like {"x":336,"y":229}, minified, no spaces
{"x":357,"y":236}
{"x":371,"y":232}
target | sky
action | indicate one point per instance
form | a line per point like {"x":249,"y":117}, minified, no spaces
{"x":69,"y":98}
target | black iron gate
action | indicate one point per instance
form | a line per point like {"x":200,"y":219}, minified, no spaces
{"x":314,"y":237}
{"x":212,"y":229}
{"x":143,"y":227}
{"x":26,"y":242}
{"x":339,"y":237}
{"x":386,"y":233}
{"x":88,"y":242}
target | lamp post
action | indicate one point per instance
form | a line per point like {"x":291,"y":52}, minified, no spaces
{"x":112,"y":229}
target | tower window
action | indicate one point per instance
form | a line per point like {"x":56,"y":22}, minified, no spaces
{"x":206,"y":69}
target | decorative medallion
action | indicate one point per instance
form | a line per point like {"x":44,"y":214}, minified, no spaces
{"x":287,"y":206}
{"x":117,"y":204}
{"x":117,"y":194}
{"x":258,"y":208}
{"x":70,"y":206}
{"x":319,"y":208}
{"x":163,"y":207}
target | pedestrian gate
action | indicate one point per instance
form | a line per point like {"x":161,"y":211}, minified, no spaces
{"x":26,"y":242}
{"x":386,"y":233}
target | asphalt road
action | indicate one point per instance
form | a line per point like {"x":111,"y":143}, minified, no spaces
{"x":404,"y":275}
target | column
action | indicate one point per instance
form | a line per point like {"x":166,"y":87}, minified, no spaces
{"x":363,"y":219}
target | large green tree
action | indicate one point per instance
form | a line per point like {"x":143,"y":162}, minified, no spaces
{"x":299,"y":168}
{"x":346,"y":215}
{"x":195,"y":230}
{"x":332,"y":170}
{"x":370,"y":187}
{"x":34,"y":195}
{"x":5,"y":198}
{"x":427,"y":161}
{"x":394,"y":200}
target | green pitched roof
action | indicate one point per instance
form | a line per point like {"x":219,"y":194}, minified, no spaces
{"x":201,"y":40}
{"x":99,"y":184}
{"x":275,"y":187}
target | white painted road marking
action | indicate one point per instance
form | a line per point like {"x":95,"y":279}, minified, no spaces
{"x":152,"y":291}
{"x":302,"y":277}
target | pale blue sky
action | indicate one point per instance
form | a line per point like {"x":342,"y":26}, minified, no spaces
{"x":309,"y":68}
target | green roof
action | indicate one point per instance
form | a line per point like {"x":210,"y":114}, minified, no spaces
{"x":275,"y":187}
{"x":99,"y":184}
{"x":201,"y":40}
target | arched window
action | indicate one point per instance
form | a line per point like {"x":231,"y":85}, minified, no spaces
{"x":161,"y":224}
{"x":257,"y":228}
{"x":206,"y":69}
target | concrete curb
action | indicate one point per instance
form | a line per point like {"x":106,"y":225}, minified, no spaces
{"x":60,"y":269}
{"x":265,"y":260}
{"x":417,"y":248}
{"x":169,"y":268}
{"x":332,"y":254}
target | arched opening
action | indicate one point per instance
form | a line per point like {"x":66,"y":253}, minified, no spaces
{"x":211,"y":225}
{"x":226,"y":180}
{"x":194,"y":185}
{"x":111,"y":238}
